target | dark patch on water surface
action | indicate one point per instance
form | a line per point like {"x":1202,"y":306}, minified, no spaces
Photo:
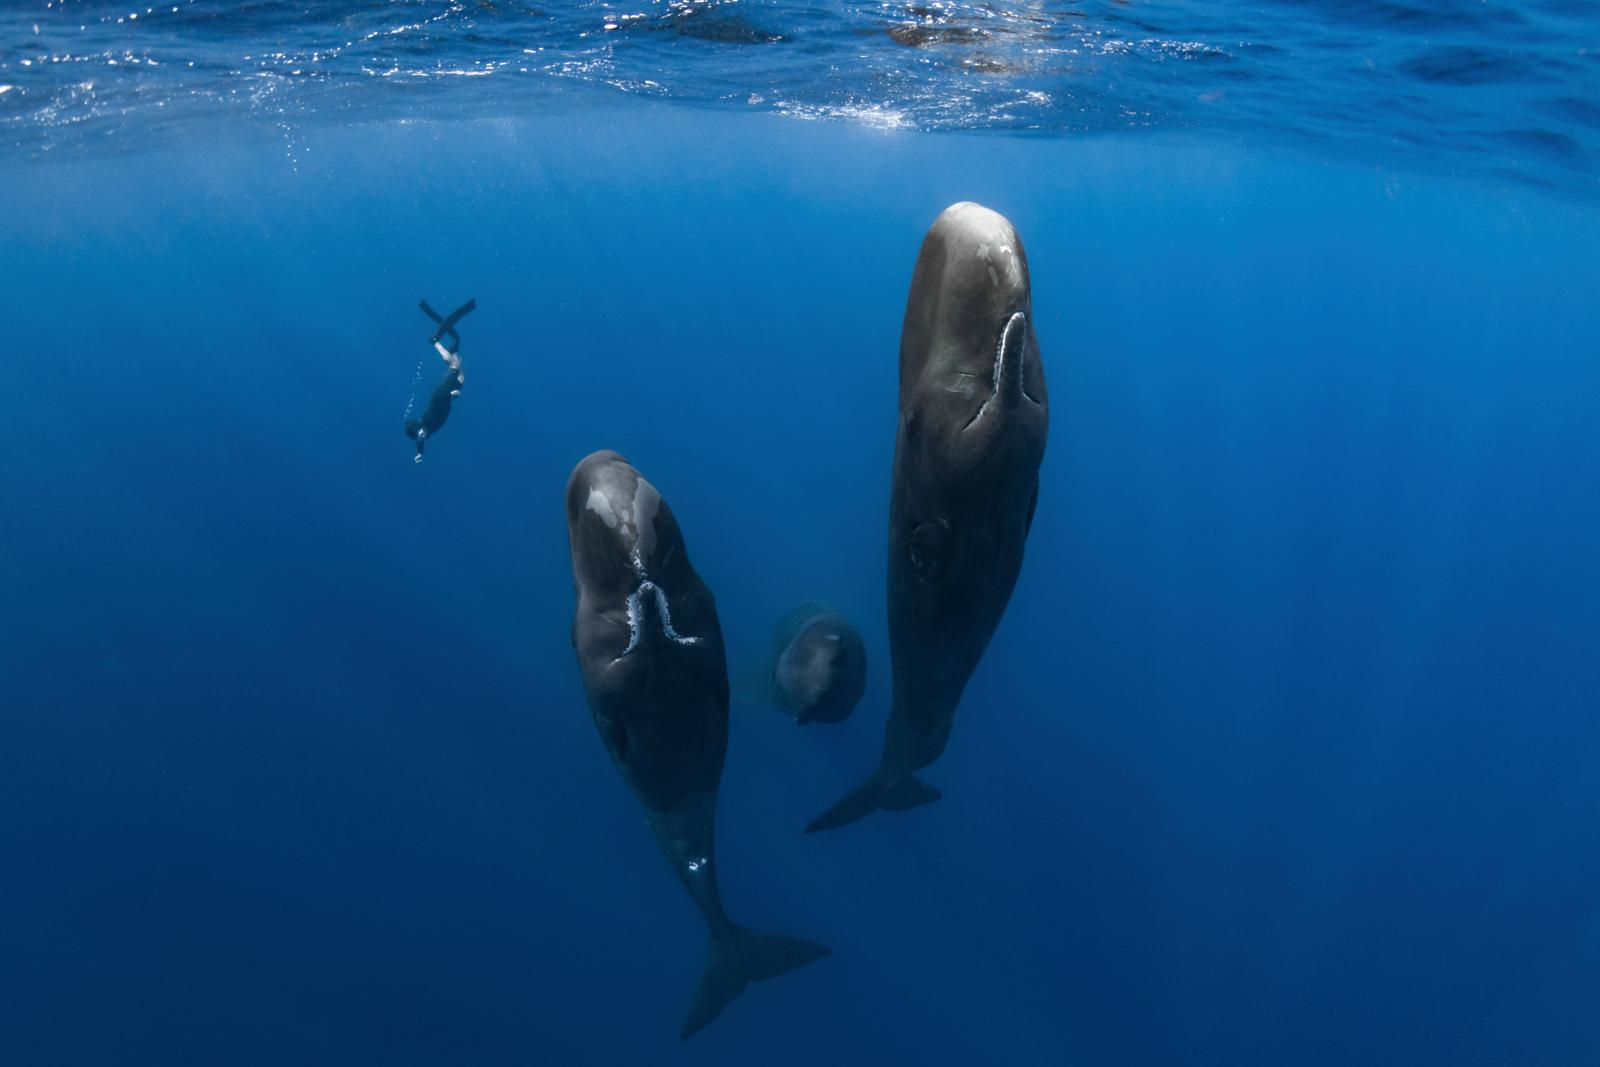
{"x":1422,"y":17}
{"x":712,"y":25}
{"x":1135,"y":20}
{"x":1565,"y":8}
{"x":987,"y":65}
{"x":927,"y":27}
{"x":1547,"y":141}
{"x":1575,"y":109}
{"x":700,"y":20}
{"x":1458,"y":65}
{"x":1259,"y":49}
{"x":914,"y":35}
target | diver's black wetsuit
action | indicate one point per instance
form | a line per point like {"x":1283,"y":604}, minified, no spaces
{"x":449,"y":387}
{"x":437,"y":411}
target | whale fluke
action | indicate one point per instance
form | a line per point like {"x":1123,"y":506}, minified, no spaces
{"x":739,"y":957}
{"x":906,"y":792}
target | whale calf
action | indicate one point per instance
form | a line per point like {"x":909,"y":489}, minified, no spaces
{"x":817,"y":669}
{"x":973,"y":421}
{"x":655,"y":674}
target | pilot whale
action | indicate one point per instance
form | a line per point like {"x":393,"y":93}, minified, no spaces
{"x":656,"y":677}
{"x":973,"y":420}
{"x":817,"y":669}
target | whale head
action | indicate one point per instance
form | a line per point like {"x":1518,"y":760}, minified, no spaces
{"x":822,"y":672}
{"x":627,"y":550}
{"x":970,"y":372}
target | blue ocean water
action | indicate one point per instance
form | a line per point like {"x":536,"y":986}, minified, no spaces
{"x":1286,"y":751}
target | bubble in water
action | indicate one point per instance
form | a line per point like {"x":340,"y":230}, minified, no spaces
{"x":416,"y":378}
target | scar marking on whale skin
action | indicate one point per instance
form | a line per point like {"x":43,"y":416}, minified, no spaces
{"x":988,"y":265}
{"x":601,"y":506}
{"x":646,"y":502}
{"x":997,"y":259}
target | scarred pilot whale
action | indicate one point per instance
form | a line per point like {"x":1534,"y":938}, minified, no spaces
{"x":650,"y":648}
{"x":973,"y":422}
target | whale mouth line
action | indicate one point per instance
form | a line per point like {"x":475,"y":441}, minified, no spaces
{"x":1013,"y":333}
{"x":651,"y":593}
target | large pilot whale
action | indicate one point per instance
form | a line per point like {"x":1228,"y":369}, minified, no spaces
{"x":973,"y":422}
{"x":655,"y":673}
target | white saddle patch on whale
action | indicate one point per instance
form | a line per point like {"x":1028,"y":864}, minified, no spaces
{"x":600,"y":504}
{"x":636,"y":616}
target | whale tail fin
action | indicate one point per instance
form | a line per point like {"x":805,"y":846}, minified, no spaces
{"x":739,"y":957}
{"x":906,"y":792}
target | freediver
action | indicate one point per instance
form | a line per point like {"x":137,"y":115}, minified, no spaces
{"x":447,"y":342}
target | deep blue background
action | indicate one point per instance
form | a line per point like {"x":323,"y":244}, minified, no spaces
{"x":1286,"y":752}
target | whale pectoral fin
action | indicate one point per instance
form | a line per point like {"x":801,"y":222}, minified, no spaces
{"x":1033,"y":502}
{"x":909,"y":792}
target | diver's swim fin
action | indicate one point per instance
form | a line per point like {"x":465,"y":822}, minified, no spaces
{"x":438,"y":318}
{"x":738,"y":958}
{"x":447,"y":323}
{"x":904,"y":793}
